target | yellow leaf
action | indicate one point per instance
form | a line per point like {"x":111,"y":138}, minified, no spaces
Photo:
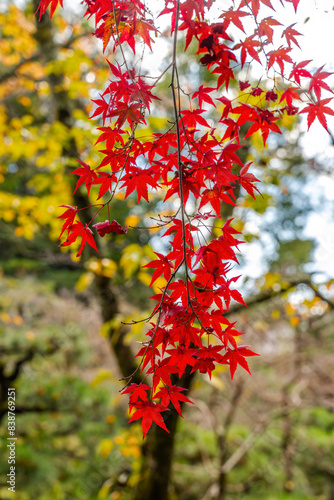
{"x":217,"y":383}
{"x":294,"y":321}
{"x":110,"y":419}
{"x":105,"y":448}
{"x":101,"y":377}
{"x":159,"y":283}
{"x":30,"y":335}
{"x":144,"y":278}
{"x":132,"y":220}
{"x":5,"y":318}
{"x":119,"y":439}
{"x":131,"y":259}
{"x":275,"y":314}
{"x":18,"y":320}
{"x":84,"y":281}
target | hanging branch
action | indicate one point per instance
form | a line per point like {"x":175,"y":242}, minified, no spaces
{"x":189,"y":329}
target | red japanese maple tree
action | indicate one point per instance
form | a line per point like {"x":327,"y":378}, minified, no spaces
{"x":191,"y":160}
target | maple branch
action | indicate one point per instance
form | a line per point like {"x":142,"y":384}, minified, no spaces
{"x":178,"y":137}
{"x":120,"y":44}
{"x":321,"y":296}
{"x":158,"y":78}
{"x":270,"y":294}
{"x":159,"y":309}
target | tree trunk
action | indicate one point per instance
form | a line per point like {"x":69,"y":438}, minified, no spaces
{"x":157,"y":454}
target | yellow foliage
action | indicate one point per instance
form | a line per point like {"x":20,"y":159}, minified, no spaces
{"x":101,"y":377}
{"x":115,"y":495}
{"x":271,"y":279}
{"x":113,"y":324}
{"x":18,"y":320}
{"x":110,"y":419}
{"x":129,"y":443}
{"x":217,"y":383}
{"x":131,"y":259}
{"x":105,"y":448}
{"x":289,"y":309}
{"x":158,"y":284}
{"x":132,"y":220}
{"x":84,"y":281}
{"x":294,"y":321}
{"x":275,"y":314}
{"x":119,"y":440}
{"x":287,"y":121}
{"x":144,"y":277}
{"x":102,"y":494}
{"x":30,"y":335}
{"x":4,"y":317}
{"x":102,"y":267}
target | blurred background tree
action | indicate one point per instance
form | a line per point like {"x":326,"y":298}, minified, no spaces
{"x":62,"y":341}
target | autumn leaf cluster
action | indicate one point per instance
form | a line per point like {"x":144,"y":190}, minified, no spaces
{"x":196,"y":163}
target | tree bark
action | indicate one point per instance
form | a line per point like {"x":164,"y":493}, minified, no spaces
{"x":157,"y":454}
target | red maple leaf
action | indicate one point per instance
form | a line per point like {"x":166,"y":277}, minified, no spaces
{"x":125,"y":112}
{"x":290,"y":35}
{"x":237,"y":356}
{"x":106,"y":227}
{"x":228,"y":335}
{"x":215,"y":196}
{"x":172,"y":394}
{"x":141,"y":92}
{"x":106,"y":181}
{"x":265,"y":28}
{"x":271,"y":96}
{"x":299,"y":71}
{"x":244,"y":85}
{"x":318,"y":110}
{"x":232,"y":129}
{"x":43,"y":5}
{"x":246,"y":180}
{"x":295,"y":3}
{"x":137,"y":392}
{"x":79,"y":230}
{"x":206,"y":358}
{"x":264,"y":122}
{"x":289,"y":94}
{"x":233,"y":16}
{"x":255,"y":5}
{"x":148,"y":353}
{"x":101,"y":109}
{"x":317,"y":82}
{"x":228,"y":106}
{"x":138,"y":179}
{"x":162,"y":265}
{"x":149,"y":412}
{"x":69,"y":214}
{"x":86,"y":176}
{"x":192,"y":118}
{"x":161,"y":372}
{"x":181,"y":356}
{"x":248,"y":46}
{"x":111,"y":136}
{"x":202,"y":95}
{"x":279,"y":56}
{"x":142,"y":28}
